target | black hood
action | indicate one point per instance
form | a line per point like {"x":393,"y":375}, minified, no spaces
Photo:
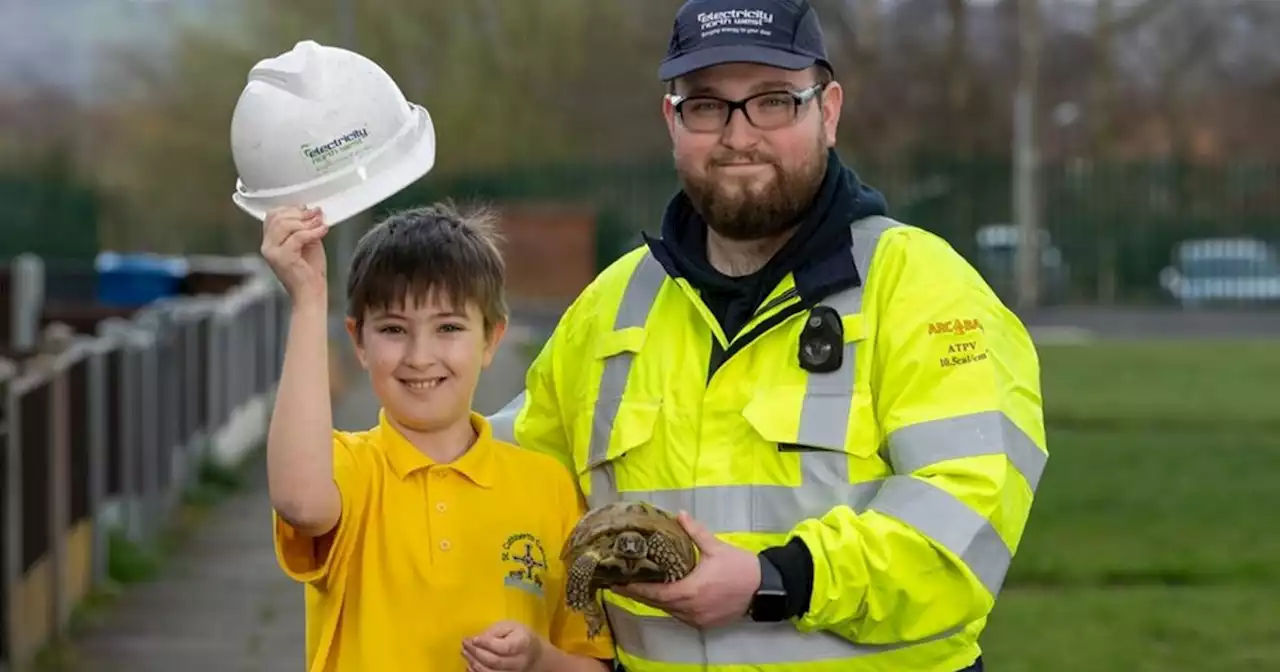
{"x":823,"y":228}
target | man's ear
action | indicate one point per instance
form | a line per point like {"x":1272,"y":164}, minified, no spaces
{"x":357,"y":340}
{"x":832,"y":103}
{"x":492,"y":340}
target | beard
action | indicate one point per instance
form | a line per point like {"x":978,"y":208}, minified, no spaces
{"x":754,"y":208}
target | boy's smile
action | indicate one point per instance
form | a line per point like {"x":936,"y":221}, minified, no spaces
{"x":423,"y":384}
{"x":424,"y":357}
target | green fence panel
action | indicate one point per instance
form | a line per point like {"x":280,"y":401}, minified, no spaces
{"x":53,"y":218}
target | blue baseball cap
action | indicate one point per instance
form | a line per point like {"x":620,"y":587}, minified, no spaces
{"x":781,"y":33}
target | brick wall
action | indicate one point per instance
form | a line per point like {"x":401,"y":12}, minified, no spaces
{"x":550,"y":251}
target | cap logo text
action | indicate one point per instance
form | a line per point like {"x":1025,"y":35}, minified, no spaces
{"x":735,"y":21}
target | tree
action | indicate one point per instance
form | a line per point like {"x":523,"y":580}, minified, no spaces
{"x":497,"y":78}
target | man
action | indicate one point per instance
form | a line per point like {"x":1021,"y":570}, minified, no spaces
{"x":849,"y":416}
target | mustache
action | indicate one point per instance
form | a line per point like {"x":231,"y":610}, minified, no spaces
{"x":741,"y":157}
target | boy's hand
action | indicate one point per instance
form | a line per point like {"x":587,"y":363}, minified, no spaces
{"x":291,"y":245}
{"x":507,"y":646}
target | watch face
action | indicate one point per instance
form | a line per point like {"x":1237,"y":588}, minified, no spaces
{"x":769,"y":606}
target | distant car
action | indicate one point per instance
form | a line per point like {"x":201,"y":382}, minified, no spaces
{"x":997,"y":260}
{"x":1222,"y":270}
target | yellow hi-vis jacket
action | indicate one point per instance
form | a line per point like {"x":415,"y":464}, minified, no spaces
{"x":908,"y":472}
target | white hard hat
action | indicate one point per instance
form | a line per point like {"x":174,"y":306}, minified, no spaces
{"x":325,"y":127}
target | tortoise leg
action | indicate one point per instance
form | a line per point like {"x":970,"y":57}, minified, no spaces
{"x":580,"y":592}
{"x":664,"y":553}
{"x":593,"y":613}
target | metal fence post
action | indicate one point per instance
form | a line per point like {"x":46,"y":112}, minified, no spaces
{"x":12,"y":530}
{"x":97,"y":380}
{"x":149,"y":440}
{"x":131,"y":430}
{"x":190,"y":352}
{"x":217,"y":375}
{"x":27,"y":275}
{"x":59,"y":491}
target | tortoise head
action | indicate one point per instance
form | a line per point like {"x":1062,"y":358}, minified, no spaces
{"x":630,"y":544}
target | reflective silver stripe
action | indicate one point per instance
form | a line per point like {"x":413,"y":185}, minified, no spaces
{"x":503,"y":423}
{"x":638,"y":298}
{"x":763,"y":508}
{"x":938,"y":514}
{"x":866,"y":240}
{"x":914,"y":447}
{"x":667,"y":640}
{"x":824,"y":413}
{"x":942,"y":517}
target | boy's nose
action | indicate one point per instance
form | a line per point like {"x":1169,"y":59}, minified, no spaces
{"x":418,"y":353}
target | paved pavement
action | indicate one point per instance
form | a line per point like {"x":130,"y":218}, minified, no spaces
{"x":222,"y":604}
{"x":1156,"y":323}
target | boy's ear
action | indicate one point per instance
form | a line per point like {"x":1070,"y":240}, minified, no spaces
{"x":496,"y":332}
{"x":357,"y":343}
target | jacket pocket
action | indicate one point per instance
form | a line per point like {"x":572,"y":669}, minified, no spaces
{"x":820,"y":411}
{"x":815,"y":446}
{"x":616,"y":423}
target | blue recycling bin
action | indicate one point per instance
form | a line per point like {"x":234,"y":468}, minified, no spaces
{"x":135,"y":280}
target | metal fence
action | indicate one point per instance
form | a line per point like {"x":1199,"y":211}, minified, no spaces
{"x":102,"y":438}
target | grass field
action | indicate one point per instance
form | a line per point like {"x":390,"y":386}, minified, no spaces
{"x":1153,"y":543}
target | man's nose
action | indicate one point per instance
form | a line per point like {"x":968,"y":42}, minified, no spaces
{"x":738,"y":134}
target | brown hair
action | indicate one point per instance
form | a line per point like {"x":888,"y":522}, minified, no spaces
{"x":437,"y":248}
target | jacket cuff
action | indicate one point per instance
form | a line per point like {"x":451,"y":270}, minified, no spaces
{"x":795,"y":563}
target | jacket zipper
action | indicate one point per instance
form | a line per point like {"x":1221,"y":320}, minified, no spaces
{"x":764,"y":327}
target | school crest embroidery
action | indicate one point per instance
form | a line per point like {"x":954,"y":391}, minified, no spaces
{"x":523,"y":553}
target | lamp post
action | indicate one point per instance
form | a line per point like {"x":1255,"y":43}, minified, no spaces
{"x":1026,"y":197}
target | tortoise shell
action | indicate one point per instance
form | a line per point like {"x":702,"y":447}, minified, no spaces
{"x":621,"y":543}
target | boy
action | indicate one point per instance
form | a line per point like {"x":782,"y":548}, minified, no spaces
{"x":424,"y":543}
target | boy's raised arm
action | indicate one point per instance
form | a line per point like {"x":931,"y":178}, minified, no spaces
{"x":300,"y":437}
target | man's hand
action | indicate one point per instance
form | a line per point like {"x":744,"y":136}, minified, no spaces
{"x":507,"y":646}
{"x":291,"y":245}
{"x":717,"y":592}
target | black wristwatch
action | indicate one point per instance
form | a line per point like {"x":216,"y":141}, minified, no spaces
{"x":770,"y":601}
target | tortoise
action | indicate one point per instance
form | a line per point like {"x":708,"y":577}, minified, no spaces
{"x":621,"y":543}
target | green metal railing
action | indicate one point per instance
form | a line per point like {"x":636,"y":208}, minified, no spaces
{"x":1111,"y":228}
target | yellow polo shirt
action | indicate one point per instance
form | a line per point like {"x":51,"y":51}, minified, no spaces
{"x":427,"y":554}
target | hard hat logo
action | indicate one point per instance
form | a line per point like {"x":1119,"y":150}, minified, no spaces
{"x":325,"y":127}
{"x":339,"y":147}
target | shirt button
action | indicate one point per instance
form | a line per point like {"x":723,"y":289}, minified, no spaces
{"x":444,"y":545}
{"x":441,"y":507}
{"x":441,"y":473}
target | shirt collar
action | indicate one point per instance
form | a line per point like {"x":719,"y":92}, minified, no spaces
{"x":476,"y":464}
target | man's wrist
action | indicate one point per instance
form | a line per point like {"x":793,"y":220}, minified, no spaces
{"x":769,"y":604}
{"x":795,"y":564}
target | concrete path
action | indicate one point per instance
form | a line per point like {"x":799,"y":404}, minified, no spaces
{"x":221,"y":603}
{"x":1158,"y":323}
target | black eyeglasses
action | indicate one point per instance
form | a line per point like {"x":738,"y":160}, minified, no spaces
{"x":766,"y":111}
